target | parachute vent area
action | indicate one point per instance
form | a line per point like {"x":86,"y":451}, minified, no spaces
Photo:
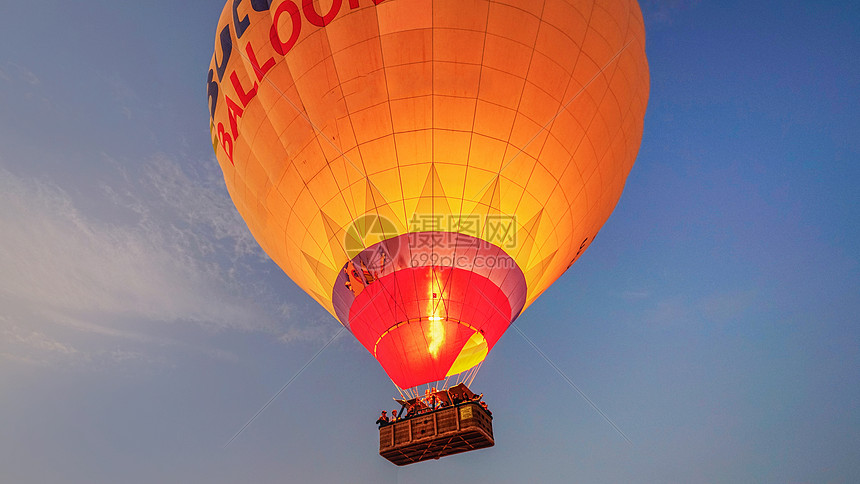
{"x":449,"y":430}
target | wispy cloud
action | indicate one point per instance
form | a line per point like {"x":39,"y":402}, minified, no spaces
{"x":53,"y":256}
{"x":34,"y":339}
{"x":676,"y":310}
{"x":122,"y":93}
{"x":179,"y":254}
{"x":669,"y":312}
{"x":665,"y":11}
{"x":33,"y":347}
{"x":633,"y":294}
{"x":11,"y":71}
{"x":305,"y":333}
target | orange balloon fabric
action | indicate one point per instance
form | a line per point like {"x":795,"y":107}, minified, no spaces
{"x":377,"y":145}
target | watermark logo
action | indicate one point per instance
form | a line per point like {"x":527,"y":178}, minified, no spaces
{"x":431,"y":241}
{"x":499,"y":229}
{"x":366,"y":231}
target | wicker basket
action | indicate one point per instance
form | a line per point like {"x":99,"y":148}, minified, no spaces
{"x":432,"y":435}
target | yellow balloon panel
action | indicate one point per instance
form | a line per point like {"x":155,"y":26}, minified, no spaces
{"x":525,"y":116}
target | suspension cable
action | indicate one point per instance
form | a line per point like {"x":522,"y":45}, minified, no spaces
{"x":475,"y":373}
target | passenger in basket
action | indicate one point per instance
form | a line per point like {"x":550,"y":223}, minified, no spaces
{"x":382,"y":421}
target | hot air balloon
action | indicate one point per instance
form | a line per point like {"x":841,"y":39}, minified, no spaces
{"x":425,"y":169}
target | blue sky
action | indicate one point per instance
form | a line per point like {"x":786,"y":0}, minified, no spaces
{"x":714,"y":320}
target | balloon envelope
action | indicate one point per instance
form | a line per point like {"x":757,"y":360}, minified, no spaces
{"x":425,"y":169}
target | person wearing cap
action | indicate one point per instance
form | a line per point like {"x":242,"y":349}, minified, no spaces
{"x":382,"y":421}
